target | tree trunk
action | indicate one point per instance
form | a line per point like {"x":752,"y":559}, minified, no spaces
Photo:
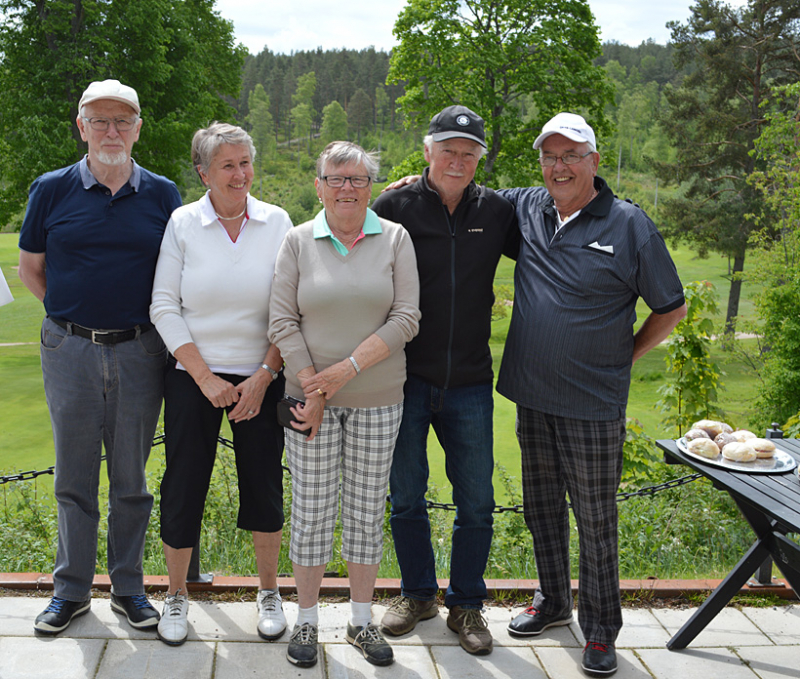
{"x":733,"y":297}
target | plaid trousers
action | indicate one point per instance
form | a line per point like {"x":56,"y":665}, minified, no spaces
{"x":583,"y":458}
{"x":351,"y":456}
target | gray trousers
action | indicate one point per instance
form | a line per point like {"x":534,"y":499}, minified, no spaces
{"x":101,"y":395}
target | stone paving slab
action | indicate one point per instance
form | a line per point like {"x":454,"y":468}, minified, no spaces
{"x":503,"y":663}
{"x":346,"y":662}
{"x":780,"y":662}
{"x":781,"y":625}
{"x":729,"y":628}
{"x":697,"y":663}
{"x":155,"y":660}
{"x":33,"y":658}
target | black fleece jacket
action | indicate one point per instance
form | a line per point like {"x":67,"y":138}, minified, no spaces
{"x":457,"y":256}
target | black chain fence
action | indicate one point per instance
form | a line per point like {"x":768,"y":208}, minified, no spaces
{"x":446,"y":506}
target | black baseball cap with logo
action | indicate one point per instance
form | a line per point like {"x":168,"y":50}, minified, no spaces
{"x":457,"y":121}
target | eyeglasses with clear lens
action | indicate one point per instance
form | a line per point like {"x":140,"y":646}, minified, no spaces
{"x":567,"y":159}
{"x":337,"y":181}
{"x":102,"y":124}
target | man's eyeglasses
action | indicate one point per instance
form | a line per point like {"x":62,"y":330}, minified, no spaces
{"x":102,"y":124}
{"x":337,"y":181}
{"x":567,"y":159}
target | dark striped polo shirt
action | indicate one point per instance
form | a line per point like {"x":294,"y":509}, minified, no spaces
{"x":570,"y":343}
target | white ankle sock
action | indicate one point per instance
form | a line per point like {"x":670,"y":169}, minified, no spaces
{"x":360,"y":614}
{"x":310,"y":615}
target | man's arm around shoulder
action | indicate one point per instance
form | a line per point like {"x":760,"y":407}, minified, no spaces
{"x":32,"y":273}
{"x":655,"y":329}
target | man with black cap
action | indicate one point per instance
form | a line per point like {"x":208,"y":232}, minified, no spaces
{"x":88,"y":249}
{"x":459,"y":230}
{"x":585,"y":259}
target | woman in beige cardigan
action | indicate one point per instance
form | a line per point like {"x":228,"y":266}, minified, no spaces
{"x":345,"y":300}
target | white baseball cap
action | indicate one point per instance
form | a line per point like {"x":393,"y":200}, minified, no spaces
{"x":110,"y":89}
{"x":569,"y":125}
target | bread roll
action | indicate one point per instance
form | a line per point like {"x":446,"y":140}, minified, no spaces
{"x":693,"y":434}
{"x":764,"y":447}
{"x":742,"y":435}
{"x":711,"y":427}
{"x":739,"y":452}
{"x":726,"y":428}
{"x":704,"y":448}
{"x":724,"y":439}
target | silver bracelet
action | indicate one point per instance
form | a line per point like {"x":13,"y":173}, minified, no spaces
{"x":270,"y":371}
{"x":355,"y":365}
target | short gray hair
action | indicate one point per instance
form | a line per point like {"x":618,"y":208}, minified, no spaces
{"x":339,"y":153}
{"x":428,"y":142}
{"x":206,"y":143}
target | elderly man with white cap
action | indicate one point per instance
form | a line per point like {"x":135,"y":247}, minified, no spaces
{"x":586,"y":257}
{"x":88,"y":249}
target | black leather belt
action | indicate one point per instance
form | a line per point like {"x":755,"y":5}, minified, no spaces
{"x":103,"y":336}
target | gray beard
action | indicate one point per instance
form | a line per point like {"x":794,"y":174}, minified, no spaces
{"x":119,"y":158}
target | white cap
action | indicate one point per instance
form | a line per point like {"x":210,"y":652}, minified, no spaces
{"x":110,"y":89}
{"x":569,"y":125}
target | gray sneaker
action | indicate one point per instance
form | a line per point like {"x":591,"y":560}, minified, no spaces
{"x":371,"y":643}
{"x":473,"y":631}
{"x":404,"y":614}
{"x":302,"y":649}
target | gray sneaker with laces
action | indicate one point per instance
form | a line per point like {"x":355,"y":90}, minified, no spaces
{"x":173,"y":628}
{"x":302,"y":649}
{"x":404,"y":614}
{"x":371,"y":643}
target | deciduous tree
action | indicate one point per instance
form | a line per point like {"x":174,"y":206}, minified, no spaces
{"x":179,"y":55}
{"x":334,"y":123}
{"x":262,"y":130}
{"x":487,"y":55}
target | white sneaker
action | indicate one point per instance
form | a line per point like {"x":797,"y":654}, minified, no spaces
{"x":271,"y":621}
{"x":173,"y":628}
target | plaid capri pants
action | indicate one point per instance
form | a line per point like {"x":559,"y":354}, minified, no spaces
{"x":350,"y":456}
{"x":583,"y":458}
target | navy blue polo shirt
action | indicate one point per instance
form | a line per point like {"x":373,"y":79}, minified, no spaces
{"x":570,"y":342}
{"x":100,"y":250}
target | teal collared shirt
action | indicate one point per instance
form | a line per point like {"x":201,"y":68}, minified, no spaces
{"x":372,"y":225}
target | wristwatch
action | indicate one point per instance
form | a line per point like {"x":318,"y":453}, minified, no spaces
{"x":272,"y":372}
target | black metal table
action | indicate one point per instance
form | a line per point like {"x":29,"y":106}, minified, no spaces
{"x":771,"y":505}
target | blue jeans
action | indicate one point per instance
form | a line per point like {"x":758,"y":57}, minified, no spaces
{"x":462,"y":420}
{"x":101,"y":395}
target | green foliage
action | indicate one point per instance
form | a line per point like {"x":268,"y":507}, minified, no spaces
{"x":503,"y":296}
{"x":640,"y":455}
{"x":488,"y":56}
{"x":778,"y":259}
{"x":261,"y":125}
{"x":691,"y":393}
{"x":360,"y":114}
{"x":414,"y":163}
{"x":178,"y":54}
{"x":334,"y":123}
{"x":737,"y":56}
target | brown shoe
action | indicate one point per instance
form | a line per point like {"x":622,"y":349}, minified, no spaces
{"x":404,"y":614}
{"x":473,"y":631}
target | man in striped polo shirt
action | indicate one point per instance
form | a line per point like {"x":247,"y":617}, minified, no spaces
{"x":585,"y":259}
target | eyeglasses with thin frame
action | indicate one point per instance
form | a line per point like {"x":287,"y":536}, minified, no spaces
{"x":567,"y":159}
{"x":337,"y":181}
{"x":102,"y":124}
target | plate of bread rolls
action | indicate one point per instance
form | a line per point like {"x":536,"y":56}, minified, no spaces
{"x":719,"y":444}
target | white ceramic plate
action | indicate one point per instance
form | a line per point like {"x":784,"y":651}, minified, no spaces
{"x":779,"y":463}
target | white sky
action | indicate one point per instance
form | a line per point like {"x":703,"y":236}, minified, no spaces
{"x":285,"y":26}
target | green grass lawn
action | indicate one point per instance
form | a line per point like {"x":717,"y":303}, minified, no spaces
{"x":25,"y":437}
